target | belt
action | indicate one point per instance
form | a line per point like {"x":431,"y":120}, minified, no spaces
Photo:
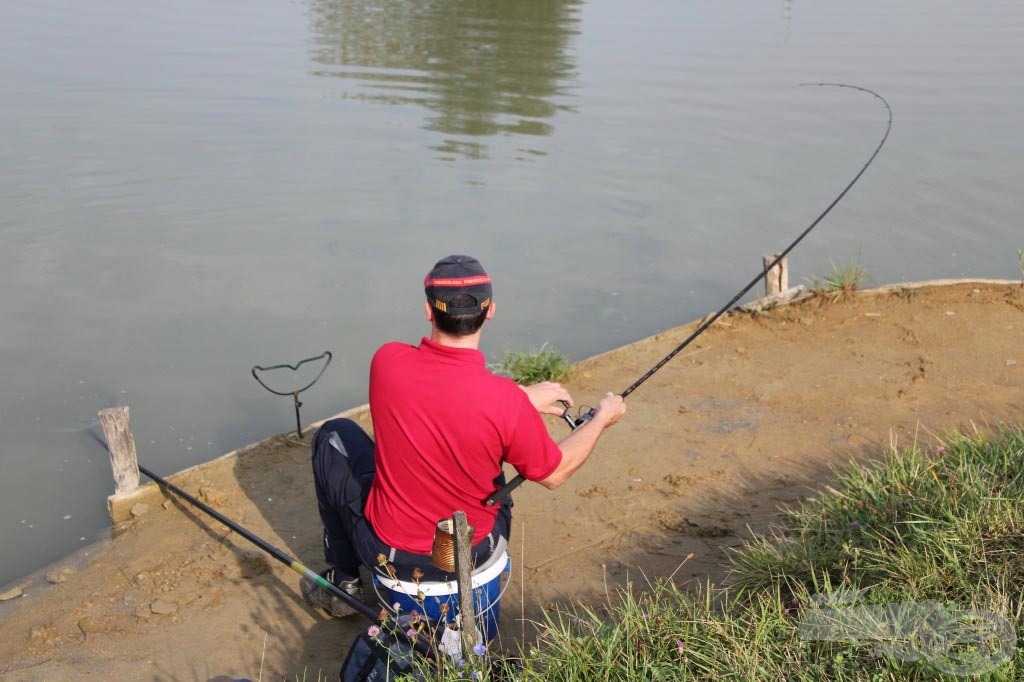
{"x":401,"y":559}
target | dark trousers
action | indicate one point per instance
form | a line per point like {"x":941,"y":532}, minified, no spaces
{"x":343,"y":470}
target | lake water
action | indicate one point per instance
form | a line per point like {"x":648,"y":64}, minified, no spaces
{"x":193,"y":188}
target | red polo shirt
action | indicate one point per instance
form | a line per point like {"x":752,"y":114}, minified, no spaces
{"x":443,"y":424}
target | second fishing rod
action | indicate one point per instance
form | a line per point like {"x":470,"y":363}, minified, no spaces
{"x":576,"y":422}
{"x":418,"y":641}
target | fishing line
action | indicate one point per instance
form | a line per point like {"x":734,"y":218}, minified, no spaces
{"x":574,"y":423}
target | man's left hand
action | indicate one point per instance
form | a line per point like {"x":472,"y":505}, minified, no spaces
{"x":546,"y":397}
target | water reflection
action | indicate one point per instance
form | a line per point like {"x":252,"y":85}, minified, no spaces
{"x":481,"y":68}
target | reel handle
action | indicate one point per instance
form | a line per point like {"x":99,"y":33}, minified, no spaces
{"x":576,"y":422}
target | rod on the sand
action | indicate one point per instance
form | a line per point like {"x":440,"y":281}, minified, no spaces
{"x":420,"y":645}
{"x":268,"y":548}
{"x":574,"y":423}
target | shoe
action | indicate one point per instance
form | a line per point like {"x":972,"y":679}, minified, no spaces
{"x":334,"y":605}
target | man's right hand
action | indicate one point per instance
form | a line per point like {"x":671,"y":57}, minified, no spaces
{"x":577,"y":446}
{"x":610,"y":410}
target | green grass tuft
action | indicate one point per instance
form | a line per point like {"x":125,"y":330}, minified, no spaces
{"x":531,"y":367}
{"x":945,"y":525}
{"x":841,"y":282}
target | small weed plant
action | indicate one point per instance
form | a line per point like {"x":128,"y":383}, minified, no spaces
{"x":531,"y":367}
{"x":841,"y":282}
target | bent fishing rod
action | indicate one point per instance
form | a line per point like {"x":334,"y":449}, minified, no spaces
{"x":576,"y":422}
{"x":291,"y":563}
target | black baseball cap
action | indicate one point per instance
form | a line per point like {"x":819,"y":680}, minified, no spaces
{"x":456,"y":275}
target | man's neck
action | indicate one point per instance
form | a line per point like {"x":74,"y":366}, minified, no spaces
{"x":472,"y":341}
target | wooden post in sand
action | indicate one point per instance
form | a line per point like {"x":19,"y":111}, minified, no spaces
{"x":121,"y":445}
{"x":776,"y":280}
{"x":464,"y":579}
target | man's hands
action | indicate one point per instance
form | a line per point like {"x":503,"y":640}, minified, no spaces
{"x":547,"y":396}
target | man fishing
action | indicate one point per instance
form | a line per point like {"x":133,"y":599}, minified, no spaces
{"x":444,"y":425}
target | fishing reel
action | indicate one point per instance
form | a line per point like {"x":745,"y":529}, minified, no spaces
{"x":581,"y":417}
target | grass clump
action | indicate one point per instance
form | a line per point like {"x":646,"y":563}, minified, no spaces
{"x":947,"y":525}
{"x":665,"y":633}
{"x":937,"y":531}
{"x":530,"y":367}
{"x":943,"y":527}
{"x":841,"y":282}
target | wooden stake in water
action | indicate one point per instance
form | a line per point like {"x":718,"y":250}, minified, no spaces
{"x":464,"y":579}
{"x":776,"y":280}
{"x":121,"y":445}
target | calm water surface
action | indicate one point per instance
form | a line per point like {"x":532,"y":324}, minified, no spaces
{"x":190,"y":189}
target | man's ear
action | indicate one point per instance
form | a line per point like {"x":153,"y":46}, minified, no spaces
{"x":429,"y":310}
{"x":490,"y":311}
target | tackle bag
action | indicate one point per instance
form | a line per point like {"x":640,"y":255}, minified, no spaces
{"x":382,"y":658}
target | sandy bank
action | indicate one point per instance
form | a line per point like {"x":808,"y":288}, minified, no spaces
{"x":751,"y":416}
